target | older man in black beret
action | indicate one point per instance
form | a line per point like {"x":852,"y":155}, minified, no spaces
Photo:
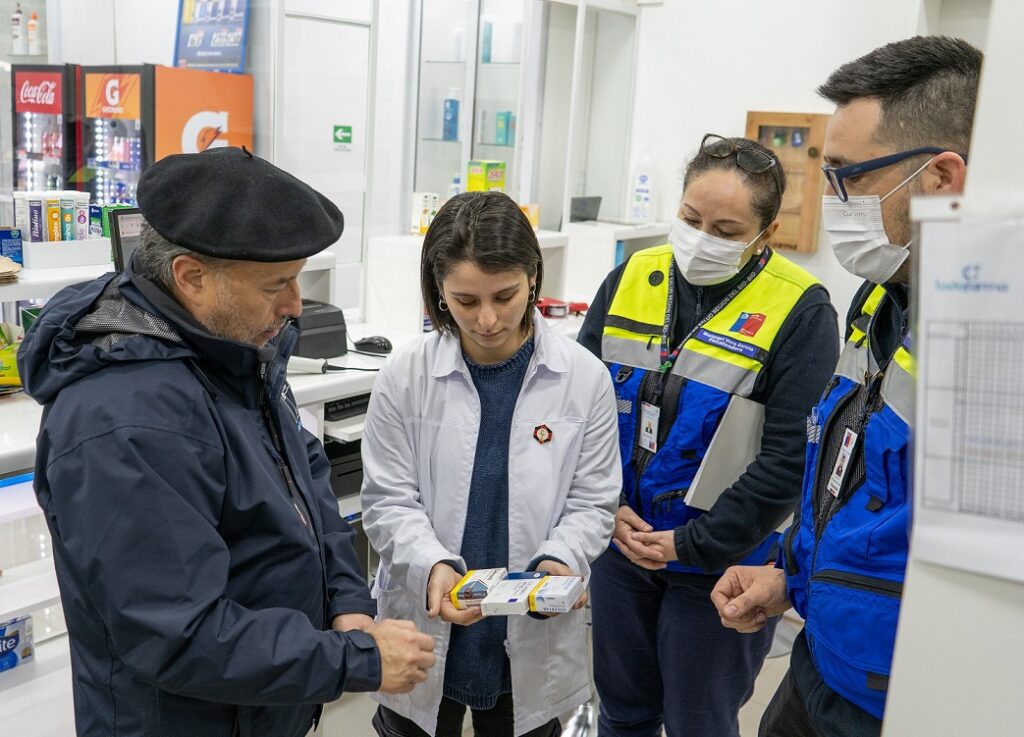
{"x":209,"y":584}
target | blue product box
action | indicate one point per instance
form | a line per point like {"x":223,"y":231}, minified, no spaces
{"x":501,"y":120}
{"x":16,"y":643}
{"x":10,"y":244}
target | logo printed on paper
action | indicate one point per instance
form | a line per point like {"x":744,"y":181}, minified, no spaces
{"x":748,"y":323}
{"x":204,"y":130}
{"x":970,"y":281}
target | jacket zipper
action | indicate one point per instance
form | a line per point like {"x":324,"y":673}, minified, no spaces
{"x":884,"y":587}
{"x":787,"y":547}
{"x":298,"y":502}
{"x":823,"y":468}
{"x":641,"y":456}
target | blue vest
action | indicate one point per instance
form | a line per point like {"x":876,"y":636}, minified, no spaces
{"x":721,"y":359}
{"x":846,"y":555}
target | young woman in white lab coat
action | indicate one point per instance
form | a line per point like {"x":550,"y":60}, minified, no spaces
{"x":491,"y":442}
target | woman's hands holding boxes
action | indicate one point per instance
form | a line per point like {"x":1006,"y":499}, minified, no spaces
{"x":444,"y":578}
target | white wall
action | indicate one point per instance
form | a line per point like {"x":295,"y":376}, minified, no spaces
{"x":146,"y":31}
{"x":702,"y":66}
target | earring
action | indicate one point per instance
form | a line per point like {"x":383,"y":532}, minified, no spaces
{"x":533,"y":294}
{"x":442,"y":305}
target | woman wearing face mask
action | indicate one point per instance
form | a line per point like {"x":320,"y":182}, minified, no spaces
{"x":684,"y":328}
{"x":489,"y":443}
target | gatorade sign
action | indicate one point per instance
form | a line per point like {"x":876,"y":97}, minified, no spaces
{"x":198,"y":110}
{"x":113,"y":96}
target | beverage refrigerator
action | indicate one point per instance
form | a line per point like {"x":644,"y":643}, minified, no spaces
{"x":47,"y":147}
{"x":135,"y":115}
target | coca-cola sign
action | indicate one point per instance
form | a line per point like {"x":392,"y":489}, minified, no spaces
{"x":38,"y":92}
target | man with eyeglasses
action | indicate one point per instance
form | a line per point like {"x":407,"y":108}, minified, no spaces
{"x":901,"y":128}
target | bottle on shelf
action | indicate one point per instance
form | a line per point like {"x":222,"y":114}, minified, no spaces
{"x":641,"y":202}
{"x":455,"y":186}
{"x":19,"y":39}
{"x":450,"y":126}
{"x":33,"y":35}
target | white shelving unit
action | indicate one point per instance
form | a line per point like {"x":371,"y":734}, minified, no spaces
{"x":595,"y":248}
{"x":393,"y":278}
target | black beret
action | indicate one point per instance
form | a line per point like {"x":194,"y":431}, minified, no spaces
{"x":227,"y":203}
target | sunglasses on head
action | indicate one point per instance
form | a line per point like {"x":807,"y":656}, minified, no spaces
{"x":749,"y":159}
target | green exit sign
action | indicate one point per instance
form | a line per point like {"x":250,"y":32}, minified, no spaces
{"x":343,"y":134}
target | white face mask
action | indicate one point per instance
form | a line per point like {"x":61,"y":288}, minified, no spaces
{"x":703,"y":259}
{"x":857,"y":234}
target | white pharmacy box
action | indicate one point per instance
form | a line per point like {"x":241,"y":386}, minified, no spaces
{"x":556,"y":595}
{"x":511,"y":596}
{"x":475,"y":586}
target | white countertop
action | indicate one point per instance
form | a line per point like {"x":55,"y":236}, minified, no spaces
{"x":44,"y":283}
{"x":42,"y":687}
{"x":618,"y":231}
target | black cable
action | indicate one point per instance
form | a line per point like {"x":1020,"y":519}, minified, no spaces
{"x":348,"y":368}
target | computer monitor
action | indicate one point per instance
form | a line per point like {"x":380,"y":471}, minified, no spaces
{"x":584,"y":208}
{"x":125,"y":235}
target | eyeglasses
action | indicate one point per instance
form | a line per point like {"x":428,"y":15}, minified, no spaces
{"x":836,"y":175}
{"x":748,"y":159}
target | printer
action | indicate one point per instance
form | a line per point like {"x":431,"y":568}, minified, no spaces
{"x":321,"y":331}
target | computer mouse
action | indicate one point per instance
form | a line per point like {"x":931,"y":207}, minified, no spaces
{"x":374,"y":344}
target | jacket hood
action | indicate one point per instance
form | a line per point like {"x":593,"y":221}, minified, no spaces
{"x":126,"y":317}
{"x":87,"y":327}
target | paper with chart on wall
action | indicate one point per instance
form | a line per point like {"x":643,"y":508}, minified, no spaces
{"x":969,"y":438}
{"x":735,"y":445}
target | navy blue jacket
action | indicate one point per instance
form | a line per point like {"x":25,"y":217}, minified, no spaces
{"x":198,"y":586}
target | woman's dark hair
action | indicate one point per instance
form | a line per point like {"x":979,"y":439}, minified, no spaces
{"x":486,"y":229}
{"x":766,"y":187}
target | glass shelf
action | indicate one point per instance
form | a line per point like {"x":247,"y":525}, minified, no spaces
{"x":444,"y":61}
{"x":499,"y":63}
{"x":440,"y":140}
{"x":496,"y":145}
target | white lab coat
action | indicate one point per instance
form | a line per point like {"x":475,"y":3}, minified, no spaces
{"x":419,"y":443}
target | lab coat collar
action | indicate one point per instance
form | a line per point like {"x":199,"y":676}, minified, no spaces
{"x":548,"y":352}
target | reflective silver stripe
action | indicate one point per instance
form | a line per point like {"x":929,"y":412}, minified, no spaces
{"x":853,"y":362}
{"x":629,"y":352}
{"x":898,"y":390}
{"x":718,"y":374}
{"x":633,"y":326}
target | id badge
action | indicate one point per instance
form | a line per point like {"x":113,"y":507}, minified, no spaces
{"x":842,"y":464}
{"x":649,"y":415}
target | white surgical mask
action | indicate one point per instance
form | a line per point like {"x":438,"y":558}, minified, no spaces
{"x":857,"y":234}
{"x":703,"y":259}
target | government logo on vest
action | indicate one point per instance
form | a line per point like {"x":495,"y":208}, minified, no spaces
{"x":748,"y":323}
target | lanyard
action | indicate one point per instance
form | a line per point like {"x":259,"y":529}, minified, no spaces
{"x":668,"y":359}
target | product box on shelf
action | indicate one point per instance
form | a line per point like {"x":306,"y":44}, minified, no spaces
{"x":10,"y":244}
{"x":17,"y":646}
{"x":485,"y":175}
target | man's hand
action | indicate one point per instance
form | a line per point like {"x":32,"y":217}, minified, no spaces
{"x":444,"y":578}
{"x":657,"y":546}
{"x":349,"y":622}
{"x":405,"y":655}
{"x":628,"y":522}
{"x":747,"y":596}
{"x":554,"y":568}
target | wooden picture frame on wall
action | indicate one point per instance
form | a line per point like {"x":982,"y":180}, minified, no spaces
{"x":798,"y":139}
